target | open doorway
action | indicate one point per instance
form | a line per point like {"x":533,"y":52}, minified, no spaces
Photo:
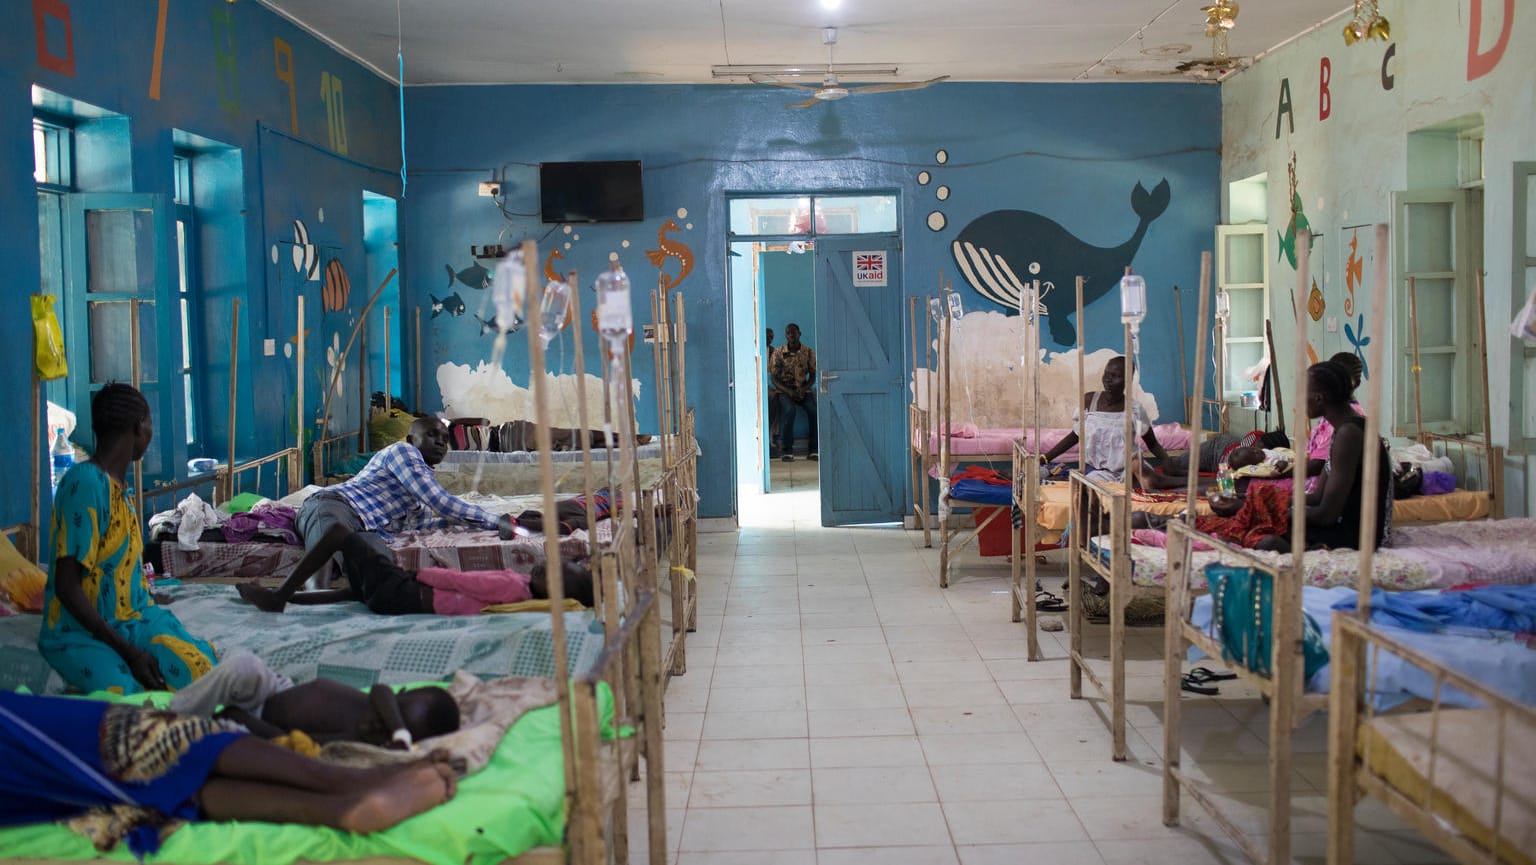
{"x":829,"y":264}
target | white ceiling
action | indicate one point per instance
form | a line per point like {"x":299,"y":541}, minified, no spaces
{"x":678,"y":41}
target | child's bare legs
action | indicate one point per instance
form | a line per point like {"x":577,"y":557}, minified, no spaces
{"x":256,"y":780}
{"x":274,"y":600}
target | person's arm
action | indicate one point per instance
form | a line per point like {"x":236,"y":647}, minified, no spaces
{"x":68,"y":587}
{"x":810,"y":373}
{"x":776,"y":374}
{"x":1153,"y":445}
{"x":1345,"y":453}
{"x":1070,"y":439}
{"x":387,"y":709}
{"x":412,"y":471}
{"x":257,"y":726}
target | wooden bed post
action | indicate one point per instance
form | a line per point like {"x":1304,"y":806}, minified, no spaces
{"x":1074,"y":563}
{"x":574,"y":293}
{"x":1173,"y":615}
{"x":136,"y":372}
{"x":946,"y":399}
{"x":1178,"y":317}
{"x":234,"y":371}
{"x":912,"y":436}
{"x":1413,"y":331}
{"x":388,"y":386}
{"x":31,"y":537}
{"x":1495,"y":479}
{"x":362,"y":391}
{"x":1119,"y":542}
{"x":417,"y":345}
{"x":298,"y":378}
{"x":931,"y":397}
{"x":330,"y":391}
{"x":1348,"y":658}
{"x":658,"y":317}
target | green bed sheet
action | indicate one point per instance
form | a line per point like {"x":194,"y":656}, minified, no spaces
{"x":513,"y":805}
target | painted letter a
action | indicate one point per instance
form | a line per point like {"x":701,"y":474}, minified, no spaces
{"x":1285,"y":108}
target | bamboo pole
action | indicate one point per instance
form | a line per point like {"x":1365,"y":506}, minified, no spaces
{"x":1074,"y":562}
{"x":678,"y":374}
{"x":574,"y":293}
{"x":552,"y":564}
{"x":1032,"y":483}
{"x":234,"y":374}
{"x":298,"y":414}
{"x":417,"y":346}
{"x":1178,"y":314}
{"x":1413,"y":332}
{"x":31,"y":539}
{"x":944,"y":427}
{"x":931,"y":383}
{"x":362,"y":390}
{"x":1494,"y":481}
{"x":912,"y":433}
{"x":137,"y":374}
{"x":388,"y":367}
{"x":659,"y":319}
{"x":362,"y":319}
{"x":1173,"y":616}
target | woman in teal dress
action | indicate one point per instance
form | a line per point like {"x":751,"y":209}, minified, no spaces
{"x":102,"y":630}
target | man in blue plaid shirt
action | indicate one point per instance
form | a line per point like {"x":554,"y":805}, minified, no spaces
{"x":396,"y":491}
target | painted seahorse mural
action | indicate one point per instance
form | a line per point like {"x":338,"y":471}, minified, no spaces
{"x":549,"y":266}
{"x":671,"y":249}
{"x":1000,"y":250}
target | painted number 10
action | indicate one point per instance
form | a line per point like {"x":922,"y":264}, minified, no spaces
{"x":335,"y":111}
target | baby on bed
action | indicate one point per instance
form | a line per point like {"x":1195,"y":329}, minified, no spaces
{"x":270,"y":705}
{"x":390,"y":590}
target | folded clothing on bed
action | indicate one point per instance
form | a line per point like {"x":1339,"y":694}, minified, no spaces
{"x":1499,"y":608}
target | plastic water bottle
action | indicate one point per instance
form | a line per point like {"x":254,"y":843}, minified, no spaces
{"x":554,"y":306}
{"x":63,"y":454}
{"x":1224,"y":480}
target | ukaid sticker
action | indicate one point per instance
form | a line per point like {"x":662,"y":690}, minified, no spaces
{"x":869,"y":269}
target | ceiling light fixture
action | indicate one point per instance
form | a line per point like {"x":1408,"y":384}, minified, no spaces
{"x":1220,"y":18}
{"x":829,"y":5}
{"x":1367,"y":23}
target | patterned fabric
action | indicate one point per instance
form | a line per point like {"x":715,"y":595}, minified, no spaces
{"x":397,"y":490}
{"x":94,"y":524}
{"x":344,"y":642}
{"x":599,"y":455}
{"x":140,"y":745}
{"x":792,"y":369}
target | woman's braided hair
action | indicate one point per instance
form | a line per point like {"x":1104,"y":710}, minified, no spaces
{"x":116,"y":410}
{"x":1332,"y":380}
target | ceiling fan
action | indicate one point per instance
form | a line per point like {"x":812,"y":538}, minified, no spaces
{"x":831,"y":89}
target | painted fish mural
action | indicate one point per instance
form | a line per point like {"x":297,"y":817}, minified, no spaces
{"x":475,"y":276}
{"x":999,"y":251}
{"x":486,"y":326}
{"x":452,"y":304}
{"x":670,"y":249}
{"x":1297,"y":223}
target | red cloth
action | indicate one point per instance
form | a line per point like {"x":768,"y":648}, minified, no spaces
{"x":1266,"y":511}
{"x":983,"y":474}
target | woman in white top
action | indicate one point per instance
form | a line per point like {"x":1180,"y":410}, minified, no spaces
{"x":1104,"y":428}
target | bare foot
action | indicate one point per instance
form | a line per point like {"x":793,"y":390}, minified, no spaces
{"x":413,"y":789}
{"x":262,"y":599}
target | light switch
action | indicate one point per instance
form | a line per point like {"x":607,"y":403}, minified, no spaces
{"x":1333,"y":324}
{"x":269,"y":347}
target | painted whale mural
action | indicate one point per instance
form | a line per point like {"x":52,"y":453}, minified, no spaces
{"x":999,"y":251}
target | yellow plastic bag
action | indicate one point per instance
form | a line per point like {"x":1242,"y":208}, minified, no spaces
{"x":21,"y":582}
{"x":49,"y":339}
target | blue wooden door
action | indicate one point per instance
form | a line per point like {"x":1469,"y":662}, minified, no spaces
{"x":858,"y":352}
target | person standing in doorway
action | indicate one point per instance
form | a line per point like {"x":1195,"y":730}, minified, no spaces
{"x":794,"y":376}
{"x":773,"y":397}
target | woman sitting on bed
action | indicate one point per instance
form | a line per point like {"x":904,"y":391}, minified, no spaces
{"x":1262,"y":519}
{"x":115,"y":771}
{"x":390,"y":590}
{"x":1104,"y":428}
{"x":102,"y":630}
{"x":1321,"y":439}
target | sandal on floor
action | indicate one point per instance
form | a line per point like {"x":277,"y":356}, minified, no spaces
{"x":1189,"y":685}
{"x":1197,"y":681}
{"x":1048,"y":602}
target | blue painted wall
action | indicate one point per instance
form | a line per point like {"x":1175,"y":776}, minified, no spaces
{"x":219,"y":78}
{"x":1071,"y":153}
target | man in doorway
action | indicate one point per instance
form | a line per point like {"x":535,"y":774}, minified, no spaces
{"x":773,"y":398}
{"x":794,"y":377}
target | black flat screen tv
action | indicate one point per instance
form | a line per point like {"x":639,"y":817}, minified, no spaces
{"x":591,"y":191}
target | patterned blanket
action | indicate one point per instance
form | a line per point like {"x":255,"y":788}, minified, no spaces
{"x":342,"y":641}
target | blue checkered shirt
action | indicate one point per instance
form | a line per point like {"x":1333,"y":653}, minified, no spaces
{"x":397,"y":491}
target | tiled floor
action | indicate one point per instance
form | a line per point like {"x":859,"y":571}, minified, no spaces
{"x":839,"y":708}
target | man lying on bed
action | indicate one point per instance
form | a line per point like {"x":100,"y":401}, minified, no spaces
{"x":396,"y":491}
{"x":375,"y":579}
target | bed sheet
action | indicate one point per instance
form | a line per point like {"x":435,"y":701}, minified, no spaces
{"x":1496,"y":659}
{"x":1054,"y":509}
{"x":341,"y":641}
{"x":651,"y":450}
{"x":969,"y":440}
{"x":1421,"y":557}
{"x":1455,"y":506}
{"x":516,"y":803}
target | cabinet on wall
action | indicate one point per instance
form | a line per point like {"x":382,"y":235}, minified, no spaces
{"x":1242,"y":271}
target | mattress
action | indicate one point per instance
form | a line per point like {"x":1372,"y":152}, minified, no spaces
{"x":1465,"y":794}
{"x":998,"y":441}
{"x":1458,"y":505}
{"x":341,"y":641}
{"x":1054,"y":508}
{"x":1421,"y":557}
{"x":514,"y":804}
{"x":466,"y":457}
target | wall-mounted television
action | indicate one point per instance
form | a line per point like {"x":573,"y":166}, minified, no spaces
{"x":591,"y":191}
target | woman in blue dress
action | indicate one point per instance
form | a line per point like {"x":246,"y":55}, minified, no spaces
{"x":102,"y":630}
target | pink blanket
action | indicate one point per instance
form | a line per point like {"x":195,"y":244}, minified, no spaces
{"x":968,"y":440}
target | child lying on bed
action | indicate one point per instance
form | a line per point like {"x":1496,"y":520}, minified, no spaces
{"x":270,"y":705}
{"x":390,"y":590}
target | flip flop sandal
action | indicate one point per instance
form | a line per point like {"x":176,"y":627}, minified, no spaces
{"x":1204,"y":675}
{"x":1046,"y":602}
{"x":1193,"y":687}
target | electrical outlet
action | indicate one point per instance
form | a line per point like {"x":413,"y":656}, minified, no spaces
{"x":489,"y":189}
{"x":1333,"y":324}
{"x":269,"y":347}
